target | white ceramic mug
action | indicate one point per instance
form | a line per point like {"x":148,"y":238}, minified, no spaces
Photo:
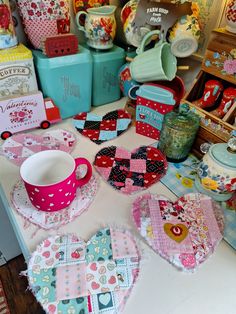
{"x":184,"y":36}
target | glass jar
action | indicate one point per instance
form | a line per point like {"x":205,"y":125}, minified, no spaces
{"x":178,"y":133}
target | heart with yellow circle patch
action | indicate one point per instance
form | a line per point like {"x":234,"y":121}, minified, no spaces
{"x":185,"y":232}
{"x":176,"y":232}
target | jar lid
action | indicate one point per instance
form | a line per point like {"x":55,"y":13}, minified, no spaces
{"x":225,"y":153}
{"x":182,"y":118}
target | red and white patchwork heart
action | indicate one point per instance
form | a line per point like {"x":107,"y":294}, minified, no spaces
{"x":130,"y":172}
{"x":101,"y":129}
{"x":20,"y":146}
{"x":68,"y":275}
{"x":185,"y":232}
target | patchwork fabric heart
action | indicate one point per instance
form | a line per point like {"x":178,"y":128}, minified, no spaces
{"x":130,"y":172}
{"x":46,"y":220}
{"x":20,"y":146}
{"x":185,"y":232}
{"x":102,"y":129}
{"x":68,"y":275}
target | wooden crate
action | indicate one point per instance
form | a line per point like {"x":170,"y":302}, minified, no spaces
{"x":212,"y":129}
{"x":221,"y":47}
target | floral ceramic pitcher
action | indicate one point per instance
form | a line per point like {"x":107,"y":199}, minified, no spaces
{"x":7,"y":33}
{"x":43,"y":18}
{"x":99,"y":27}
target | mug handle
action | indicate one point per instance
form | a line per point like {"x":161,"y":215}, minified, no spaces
{"x":145,"y":39}
{"x":81,"y":27}
{"x":83,"y":161}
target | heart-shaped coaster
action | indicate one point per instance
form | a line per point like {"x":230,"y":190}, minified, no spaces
{"x":68,"y":275}
{"x":101,"y":129}
{"x":20,"y":146}
{"x":46,"y":220}
{"x":185,"y":232}
{"x":130,"y":172}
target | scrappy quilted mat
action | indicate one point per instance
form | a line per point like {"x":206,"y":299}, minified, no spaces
{"x":130,"y":172}
{"x":101,"y":129}
{"x":53,"y":220}
{"x":185,"y":232}
{"x":68,"y":275}
{"x":20,"y":146}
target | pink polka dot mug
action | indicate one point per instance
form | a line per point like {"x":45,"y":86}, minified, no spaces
{"x":50,"y":179}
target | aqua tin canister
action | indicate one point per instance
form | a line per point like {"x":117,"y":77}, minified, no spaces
{"x":106,"y":65}
{"x":67,"y":80}
{"x":178,"y":133}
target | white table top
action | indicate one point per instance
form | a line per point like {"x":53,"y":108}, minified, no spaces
{"x":161,"y":288}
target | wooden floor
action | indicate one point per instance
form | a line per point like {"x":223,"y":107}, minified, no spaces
{"x":20,"y":300}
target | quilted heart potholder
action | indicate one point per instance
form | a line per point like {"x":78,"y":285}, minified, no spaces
{"x":185,"y":232}
{"x":101,"y":129}
{"x":52,"y":220}
{"x":20,"y":146}
{"x":130,"y":172}
{"x":68,"y":275}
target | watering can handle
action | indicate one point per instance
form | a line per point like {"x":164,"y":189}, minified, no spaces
{"x":146,"y":37}
{"x":81,"y":27}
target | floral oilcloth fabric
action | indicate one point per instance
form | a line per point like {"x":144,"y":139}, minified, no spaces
{"x":68,"y":275}
{"x":46,"y":220}
{"x":185,"y":232}
{"x":130,"y":172}
{"x":46,"y":18}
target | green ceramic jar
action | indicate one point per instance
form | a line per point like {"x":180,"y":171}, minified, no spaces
{"x":178,"y":133}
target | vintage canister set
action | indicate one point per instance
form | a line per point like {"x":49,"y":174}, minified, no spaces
{"x":54,"y":75}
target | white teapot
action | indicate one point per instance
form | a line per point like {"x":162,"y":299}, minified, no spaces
{"x":217,"y":171}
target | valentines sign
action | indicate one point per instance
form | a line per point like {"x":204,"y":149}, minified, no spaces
{"x":185,"y":232}
{"x":69,"y":275}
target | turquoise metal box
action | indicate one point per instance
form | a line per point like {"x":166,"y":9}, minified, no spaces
{"x":106,"y":65}
{"x":67,"y":80}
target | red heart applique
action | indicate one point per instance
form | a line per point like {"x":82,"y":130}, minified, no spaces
{"x":130,"y":172}
{"x":101,"y":129}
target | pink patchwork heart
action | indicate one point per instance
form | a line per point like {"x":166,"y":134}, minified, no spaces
{"x":185,"y":232}
{"x":68,"y":279}
{"x":53,"y":220}
{"x":20,"y":146}
{"x":130,"y":172}
{"x":101,"y":129}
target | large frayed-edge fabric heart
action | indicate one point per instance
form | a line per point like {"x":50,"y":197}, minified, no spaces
{"x":101,"y":129}
{"x":20,"y":146}
{"x":68,"y":275}
{"x":46,"y":220}
{"x":185,"y":232}
{"x":130,"y":172}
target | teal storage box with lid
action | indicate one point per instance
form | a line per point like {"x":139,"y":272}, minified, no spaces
{"x":67,"y":80}
{"x":106,"y":65}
